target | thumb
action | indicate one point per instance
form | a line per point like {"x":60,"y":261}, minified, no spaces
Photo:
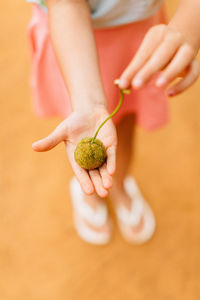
{"x":53,"y":139}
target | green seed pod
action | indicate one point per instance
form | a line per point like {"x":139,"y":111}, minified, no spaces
{"x":90,"y":153}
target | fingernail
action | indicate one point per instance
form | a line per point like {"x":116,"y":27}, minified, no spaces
{"x":123,"y":83}
{"x":104,"y":193}
{"x":171,"y":93}
{"x":108,"y":184}
{"x":137,"y":82}
{"x":161,"y":81}
{"x":111,"y":171}
{"x":89,"y":190}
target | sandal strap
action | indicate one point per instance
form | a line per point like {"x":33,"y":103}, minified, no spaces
{"x":88,"y":234}
{"x":133,"y":216}
{"x":96,"y":217}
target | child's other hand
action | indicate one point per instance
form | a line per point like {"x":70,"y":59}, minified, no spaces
{"x":163,"y":49}
{"x":71,"y":131}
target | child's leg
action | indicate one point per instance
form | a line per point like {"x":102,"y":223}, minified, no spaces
{"x":125,"y":132}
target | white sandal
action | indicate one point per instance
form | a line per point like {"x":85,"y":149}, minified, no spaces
{"x":96,"y":218}
{"x":128,"y":219}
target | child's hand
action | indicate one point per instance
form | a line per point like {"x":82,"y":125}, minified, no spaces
{"x":163,"y":49}
{"x":71,"y":131}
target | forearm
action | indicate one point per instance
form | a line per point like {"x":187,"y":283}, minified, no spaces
{"x":187,"y":21}
{"x":74,"y":44}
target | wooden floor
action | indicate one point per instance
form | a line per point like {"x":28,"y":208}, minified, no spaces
{"x":41,"y":257}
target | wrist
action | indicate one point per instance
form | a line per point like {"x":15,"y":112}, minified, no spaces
{"x":91,"y":108}
{"x":89,"y":102}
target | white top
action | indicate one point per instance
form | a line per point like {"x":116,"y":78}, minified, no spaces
{"x":108,"y":13}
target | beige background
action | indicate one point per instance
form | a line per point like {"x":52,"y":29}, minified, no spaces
{"x":40,"y":255}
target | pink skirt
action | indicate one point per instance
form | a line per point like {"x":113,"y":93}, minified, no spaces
{"x":116,"y":47}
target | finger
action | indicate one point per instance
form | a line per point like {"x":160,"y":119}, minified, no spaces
{"x":149,"y":44}
{"x":161,"y":56}
{"x":81,"y":174}
{"x":106,"y":178}
{"x":111,"y":160}
{"x":178,"y":64}
{"x":187,"y":81}
{"x":49,"y":142}
{"x":84,"y":179}
{"x":98,"y":184}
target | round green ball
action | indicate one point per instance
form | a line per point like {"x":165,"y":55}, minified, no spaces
{"x":90,"y":153}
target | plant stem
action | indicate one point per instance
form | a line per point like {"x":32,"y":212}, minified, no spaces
{"x":122,"y":92}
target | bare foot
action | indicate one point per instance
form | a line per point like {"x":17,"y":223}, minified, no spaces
{"x":135,"y":217}
{"x":94,"y":201}
{"x":91,"y":217}
{"x":119,"y":198}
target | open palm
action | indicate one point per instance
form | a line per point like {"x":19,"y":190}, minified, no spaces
{"x":77,"y":126}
